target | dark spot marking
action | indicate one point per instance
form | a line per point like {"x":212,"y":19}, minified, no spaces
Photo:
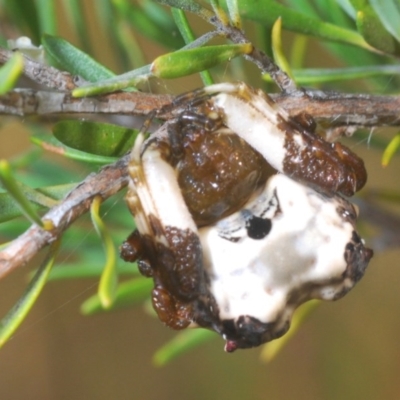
{"x":257,"y":228}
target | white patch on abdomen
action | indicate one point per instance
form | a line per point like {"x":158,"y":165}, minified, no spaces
{"x":306,"y":245}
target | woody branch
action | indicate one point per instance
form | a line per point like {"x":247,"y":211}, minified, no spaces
{"x":338,"y":109}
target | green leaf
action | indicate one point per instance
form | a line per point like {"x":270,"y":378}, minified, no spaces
{"x":95,"y":138}
{"x":391,"y":150}
{"x":304,"y":6}
{"x":24,"y":14}
{"x":87,"y":269}
{"x":42,"y":197}
{"x":129,"y":48}
{"x":279,"y":56}
{"x":183,"y":25}
{"x":326,"y":75}
{"x":168,"y":66}
{"x":10,"y":72}
{"x":348,"y":8}
{"x":389,"y":13}
{"x":109,"y":277}
{"x":73,"y":60}
{"x":127,"y":80}
{"x":268,"y":11}
{"x":151,"y":21}
{"x":14,"y":190}
{"x":50,"y":143}
{"x":182,"y":343}
{"x":188,"y":36}
{"x":47,"y":16}
{"x":160,"y":16}
{"x":270,"y":350}
{"x":127,"y":294}
{"x":333,"y":13}
{"x":14,"y":318}
{"x":234,"y":14}
{"x":186,"y":62}
{"x":9,"y":208}
{"x":372,"y":29}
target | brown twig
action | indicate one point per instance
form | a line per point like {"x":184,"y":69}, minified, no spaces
{"x":25,"y":102}
{"x":339,"y":110}
{"x":335,"y":109}
{"x":260,"y":59}
{"x":108,"y":181}
{"x":45,"y":74}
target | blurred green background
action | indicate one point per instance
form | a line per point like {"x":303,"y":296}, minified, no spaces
{"x":347,"y":350}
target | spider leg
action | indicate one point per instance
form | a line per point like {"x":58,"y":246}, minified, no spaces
{"x":285,"y":143}
{"x":168,"y":233}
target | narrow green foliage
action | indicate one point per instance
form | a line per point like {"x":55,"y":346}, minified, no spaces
{"x":125,"y":24}
{"x":234,"y":13}
{"x":389,"y":13}
{"x":87,"y":268}
{"x":277,"y":50}
{"x":372,"y":29}
{"x":180,"y":344}
{"x":183,"y":25}
{"x":158,"y":26}
{"x":268,"y":11}
{"x":391,"y":150}
{"x":326,"y":75}
{"x":347,"y":7}
{"x":109,"y":277}
{"x":186,"y":62}
{"x":24,"y":14}
{"x":120,"y":82}
{"x":271,"y":350}
{"x":10,"y":72}
{"x":50,"y":143}
{"x":73,"y":60}
{"x":95,"y":138}
{"x":47,"y":16}
{"x":128,"y":293}
{"x":10,"y":323}
{"x":10,"y":209}
{"x":299,"y":51}
{"x":14,"y":190}
{"x":188,"y":36}
{"x":128,"y":47}
{"x":219,"y":12}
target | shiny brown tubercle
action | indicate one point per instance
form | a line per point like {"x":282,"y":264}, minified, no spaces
{"x":327,"y":167}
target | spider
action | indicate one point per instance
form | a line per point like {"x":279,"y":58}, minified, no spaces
{"x":240,"y":217}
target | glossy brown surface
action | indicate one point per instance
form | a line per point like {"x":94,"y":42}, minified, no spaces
{"x":173,"y":312}
{"x":132,"y":247}
{"x":218,"y":173}
{"x":176,"y":269}
{"x":327,"y":167}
